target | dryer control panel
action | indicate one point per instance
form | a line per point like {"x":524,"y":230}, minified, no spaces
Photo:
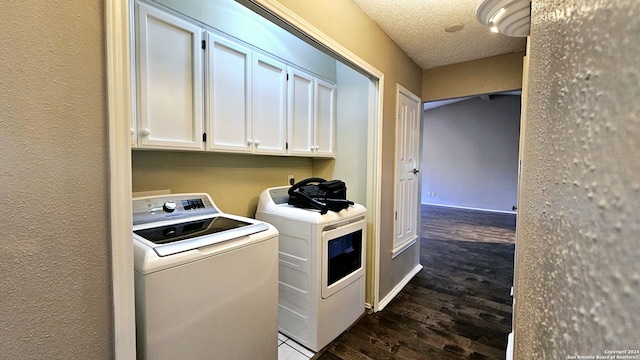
{"x":280,"y":195}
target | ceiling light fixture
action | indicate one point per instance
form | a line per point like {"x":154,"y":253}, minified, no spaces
{"x":508,"y":17}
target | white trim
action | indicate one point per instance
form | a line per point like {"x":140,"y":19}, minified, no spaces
{"x":282,"y":12}
{"x":402,"y":247}
{"x":374,"y":161}
{"x":396,"y":290}
{"x":407,"y":93}
{"x":119,"y":111}
{"x":374,"y":187}
{"x":472,"y":208}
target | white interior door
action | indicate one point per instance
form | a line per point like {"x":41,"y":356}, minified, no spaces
{"x":407,"y":160}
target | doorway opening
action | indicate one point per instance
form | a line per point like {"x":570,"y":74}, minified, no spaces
{"x":120,"y":99}
{"x":470,"y":150}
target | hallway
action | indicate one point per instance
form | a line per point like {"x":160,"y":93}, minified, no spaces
{"x":457,"y":307}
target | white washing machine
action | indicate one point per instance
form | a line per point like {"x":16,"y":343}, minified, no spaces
{"x":205,"y":281}
{"x":321,"y":268}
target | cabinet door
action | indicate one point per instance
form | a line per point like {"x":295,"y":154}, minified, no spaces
{"x":268,"y":110}
{"x":229,"y":95}
{"x":169,"y":82}
{"x":300,"y":110}
{"x":325,"y":119}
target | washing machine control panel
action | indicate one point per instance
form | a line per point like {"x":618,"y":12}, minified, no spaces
{"x":166,"y":207}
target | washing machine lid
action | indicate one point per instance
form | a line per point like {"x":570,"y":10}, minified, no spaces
{"x":170,"y":224}
{"x":183,"y":236}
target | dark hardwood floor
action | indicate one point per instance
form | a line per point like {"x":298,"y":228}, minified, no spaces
{"x":457,"y":307}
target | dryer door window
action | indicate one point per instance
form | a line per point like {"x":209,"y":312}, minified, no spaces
{"x":343,"y":251}
{"x":344,"y":256}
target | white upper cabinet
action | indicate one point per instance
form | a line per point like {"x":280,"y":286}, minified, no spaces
{"x":228,"y":84}
{"x":268,"y":134}
{"x":169,"y":81}
{"x":325,"y":118}
{"x":311,"y":115}
{"x":229,"y":97}
{"x":300,"y":110}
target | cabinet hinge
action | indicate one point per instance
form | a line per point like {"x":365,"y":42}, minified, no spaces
{"x":204,"y":137}
{"x":204,"y":44}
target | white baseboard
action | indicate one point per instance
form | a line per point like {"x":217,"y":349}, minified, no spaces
{"x":473,"y":208}
{"x":396,"y":290}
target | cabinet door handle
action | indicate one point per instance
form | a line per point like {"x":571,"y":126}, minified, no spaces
{"x":249,"y":142}
{"x":133,"y":131}
{"x":257,"y":142}
{"x":146,"y":132}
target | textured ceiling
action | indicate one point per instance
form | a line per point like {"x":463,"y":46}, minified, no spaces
{"x":418,"y":27}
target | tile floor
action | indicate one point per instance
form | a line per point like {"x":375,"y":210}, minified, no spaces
{"x":291,"y":350}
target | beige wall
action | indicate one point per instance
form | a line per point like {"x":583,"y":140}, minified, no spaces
{"x":344,"y":22}
{"x":578,"y":274}
{"x":233,"y":181}
{"x":55,"y":281}
{"x":483,"y":76}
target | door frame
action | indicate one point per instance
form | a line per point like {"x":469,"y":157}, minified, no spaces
{"x":118,"y":31}
{"x":119,"y":111}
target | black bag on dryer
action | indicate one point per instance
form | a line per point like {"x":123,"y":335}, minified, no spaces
{"x":319,"y":194}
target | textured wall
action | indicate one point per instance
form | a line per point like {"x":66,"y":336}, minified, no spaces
{"x":578,"y":268}
{"x":55,"y":283}
{"x":470,"y":153}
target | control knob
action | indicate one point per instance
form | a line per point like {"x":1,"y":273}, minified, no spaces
{"x":169,"y":206}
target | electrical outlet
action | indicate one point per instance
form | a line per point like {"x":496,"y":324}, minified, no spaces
{"x":291,"y":180}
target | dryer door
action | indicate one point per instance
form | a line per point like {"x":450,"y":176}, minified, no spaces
{"x":343,"y":251}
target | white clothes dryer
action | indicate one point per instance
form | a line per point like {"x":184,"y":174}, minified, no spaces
{"x":205,"y":281}
{"x":321,"y":267}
